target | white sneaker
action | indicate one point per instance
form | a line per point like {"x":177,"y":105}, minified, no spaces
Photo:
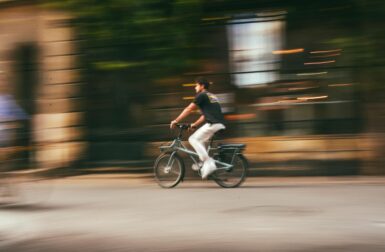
{"x":208,"y":168}
{"x":197,"y":167}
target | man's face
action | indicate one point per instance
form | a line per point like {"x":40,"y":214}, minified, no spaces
{"x":198,"y":87}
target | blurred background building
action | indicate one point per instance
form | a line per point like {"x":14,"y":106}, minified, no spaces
{"x":301,"y":82}
{"x":39,"y":64}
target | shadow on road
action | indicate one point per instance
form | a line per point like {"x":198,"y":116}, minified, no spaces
{"x":32,"y":207}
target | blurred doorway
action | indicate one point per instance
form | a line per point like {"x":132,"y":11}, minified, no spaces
{"x":26,"y":79}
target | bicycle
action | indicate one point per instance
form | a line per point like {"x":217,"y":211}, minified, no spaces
{"x":232,"y":166}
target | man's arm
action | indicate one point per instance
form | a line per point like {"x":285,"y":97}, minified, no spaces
{"x":190,"y":108}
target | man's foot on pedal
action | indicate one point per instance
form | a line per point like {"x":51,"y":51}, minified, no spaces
{"x":208,"y":168}
{"x":197,"y":167}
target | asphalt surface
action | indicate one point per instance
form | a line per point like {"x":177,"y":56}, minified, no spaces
{"x":121,"y":213}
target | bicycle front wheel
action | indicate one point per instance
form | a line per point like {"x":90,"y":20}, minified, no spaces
{"x":168,"y":170}
{"x":233,"y":177}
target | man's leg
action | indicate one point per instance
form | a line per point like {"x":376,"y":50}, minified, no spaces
{"x":198,"y":139}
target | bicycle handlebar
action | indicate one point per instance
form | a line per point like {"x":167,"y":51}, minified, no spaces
{"x":183,"y":125}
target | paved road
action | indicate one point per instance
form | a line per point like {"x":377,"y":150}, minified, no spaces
{"x":119,"y":214}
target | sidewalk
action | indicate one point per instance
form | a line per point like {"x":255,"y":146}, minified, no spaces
{"x":136,"y":179}
{"x":293,"y":171}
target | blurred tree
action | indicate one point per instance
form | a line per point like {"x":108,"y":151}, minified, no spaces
{"x":160,"y":37}
{"x":364,"y":45}
{"x":165,"y":37}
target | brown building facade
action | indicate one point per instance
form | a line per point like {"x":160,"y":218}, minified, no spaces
{"x":38,"y":56}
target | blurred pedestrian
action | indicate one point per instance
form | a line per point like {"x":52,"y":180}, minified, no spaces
{"x":11,"y":114}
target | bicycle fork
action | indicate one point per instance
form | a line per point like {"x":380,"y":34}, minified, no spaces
{"x":170,"y":163}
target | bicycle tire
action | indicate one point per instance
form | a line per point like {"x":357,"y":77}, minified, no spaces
{"x":235,"y":176}
{"x":164,"y":177}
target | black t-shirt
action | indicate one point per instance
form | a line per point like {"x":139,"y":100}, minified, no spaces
{"x":209,"y":105}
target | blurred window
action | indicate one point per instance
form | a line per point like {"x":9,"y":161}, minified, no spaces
{"x":251,"y":43}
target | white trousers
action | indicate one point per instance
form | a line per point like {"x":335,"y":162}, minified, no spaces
{"x":202,"y":135}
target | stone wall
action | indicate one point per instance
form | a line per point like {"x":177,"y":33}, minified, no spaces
{"x":57,"y":132}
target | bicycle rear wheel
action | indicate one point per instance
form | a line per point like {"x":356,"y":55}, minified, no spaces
{"x":234,"y":177}
{"x":168,"y":170}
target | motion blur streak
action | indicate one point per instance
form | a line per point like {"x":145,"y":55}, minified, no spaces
{"x":88,"y":90}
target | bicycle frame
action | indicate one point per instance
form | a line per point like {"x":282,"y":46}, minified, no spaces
{"x":177,"y":145}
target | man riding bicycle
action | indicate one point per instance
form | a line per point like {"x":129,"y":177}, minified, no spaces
{"x":214,"y":121}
